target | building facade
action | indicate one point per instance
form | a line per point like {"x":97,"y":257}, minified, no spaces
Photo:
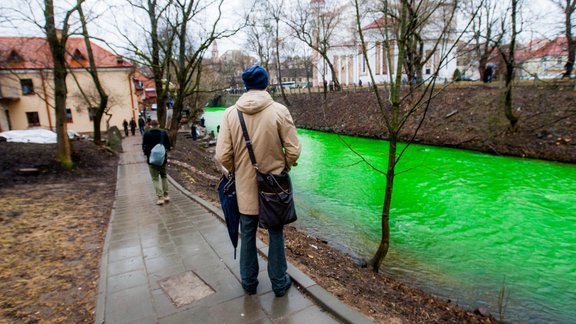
{"x":27,"y":91}
{"x":544,"y":59}
{"x":351,"y":66}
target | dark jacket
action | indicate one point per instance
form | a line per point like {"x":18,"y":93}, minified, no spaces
{"x":151,"y":138}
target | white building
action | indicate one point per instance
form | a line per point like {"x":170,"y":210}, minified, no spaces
{"x":350,"y":63}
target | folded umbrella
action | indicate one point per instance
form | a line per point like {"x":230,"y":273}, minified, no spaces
{"x":227,"y":196}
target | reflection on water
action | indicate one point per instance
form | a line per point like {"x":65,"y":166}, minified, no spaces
{"x":463,"y":224}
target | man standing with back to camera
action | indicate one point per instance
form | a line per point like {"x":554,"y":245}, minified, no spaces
{"x":276,"y":147}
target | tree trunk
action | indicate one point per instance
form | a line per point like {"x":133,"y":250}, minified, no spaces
{"x":279,"y":65}
{"x":94,"y":74}
{"x":334,"y":75}
{"x":57,"y":48}
{"x":569,"y":11}
{"x":508,"y":96}
{"x":509,"y":59}
{"x":382,"y":251}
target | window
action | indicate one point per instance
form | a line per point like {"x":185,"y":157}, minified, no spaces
{"x":78,"y":56}
{"x":69,"y":115}
{"x":33,"y":119}
{"x":384,"y":59}
{"x":428,"y":71}
{"x":27,"y":86}
{"x":14,"y":57}
{"x":378,"y":48}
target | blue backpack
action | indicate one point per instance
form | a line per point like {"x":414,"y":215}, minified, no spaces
{"x":158,"y":152}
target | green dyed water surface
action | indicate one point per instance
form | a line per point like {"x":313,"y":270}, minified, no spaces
{"x":463,"y":224}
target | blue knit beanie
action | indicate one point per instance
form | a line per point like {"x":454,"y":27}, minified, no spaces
{"x":255,"y":77}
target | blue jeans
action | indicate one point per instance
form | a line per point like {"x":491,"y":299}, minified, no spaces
{"x":249,"y":258}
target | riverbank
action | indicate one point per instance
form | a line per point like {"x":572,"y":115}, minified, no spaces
{"x":376,"y":295}
{"x":465,"y":117}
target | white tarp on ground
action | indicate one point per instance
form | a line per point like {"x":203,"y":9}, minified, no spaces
{"x":38,"y":135}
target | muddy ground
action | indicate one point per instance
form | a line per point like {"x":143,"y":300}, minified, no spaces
{"x":52,"y":230}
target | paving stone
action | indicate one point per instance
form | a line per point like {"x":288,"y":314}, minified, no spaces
{"x":125,"y":265}
{"x":185,"y":288}
{"x":127,"y":280}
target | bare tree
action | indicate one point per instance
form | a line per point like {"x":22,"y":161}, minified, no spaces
{"x":569,"y":8}
{"x":507,"y":52}
{"x":57,"y":42}
{"x":486,"y":36}
{"x":397,"y":32}
{"x":275,"y":10}
{"x":159,"y":48}
{"x":426,"y":20}
{"x":316,"y":24}
{"x":93,"y":71}
{"x":187,"y":64}
{"x":260,"y":36}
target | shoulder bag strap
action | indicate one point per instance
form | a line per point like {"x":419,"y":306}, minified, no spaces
{"x":247,"y":140}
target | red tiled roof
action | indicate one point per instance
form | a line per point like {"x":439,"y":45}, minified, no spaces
{"x":542,"y":48}
{"x":34,"y":53}
{"x":379,"y":23}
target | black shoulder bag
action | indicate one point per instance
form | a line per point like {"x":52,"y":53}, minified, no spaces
{"x":275,"y":198}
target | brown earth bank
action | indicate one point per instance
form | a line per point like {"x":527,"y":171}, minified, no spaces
{"x":467,"y":117}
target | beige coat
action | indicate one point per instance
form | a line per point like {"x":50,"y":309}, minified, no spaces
{"x":274,"y":141}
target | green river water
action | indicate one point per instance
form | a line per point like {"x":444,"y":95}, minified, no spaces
{"x":463,"y":224}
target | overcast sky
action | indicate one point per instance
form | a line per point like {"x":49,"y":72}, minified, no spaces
{"x":116,"y":17}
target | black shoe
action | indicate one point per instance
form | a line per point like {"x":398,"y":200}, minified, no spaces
{"x":250,"y":292}
{"x":283,"y":292}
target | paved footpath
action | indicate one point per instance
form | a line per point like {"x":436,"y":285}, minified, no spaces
{"x":157,"y":257}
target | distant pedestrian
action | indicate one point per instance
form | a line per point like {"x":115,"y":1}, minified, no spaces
{"x":202,"y":122}
{"x":489,"y":72}
{"x":360,"y":83}
{"x":133,"y":126}
{"x":125,"y":125}
{"x":194,"y":132}
{"x":276,"y":153}
{"x":151,"y":137}
{"x":218,"y":129}
{"x":141,"y":125}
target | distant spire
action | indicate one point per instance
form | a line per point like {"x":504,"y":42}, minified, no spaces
{"x":215,"y":54}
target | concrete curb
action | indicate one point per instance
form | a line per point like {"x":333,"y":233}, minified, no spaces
{"x":328,"y":301}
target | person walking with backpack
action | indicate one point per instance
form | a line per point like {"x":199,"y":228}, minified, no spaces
{"x":156,"y":144}
{"x":276,"y":148}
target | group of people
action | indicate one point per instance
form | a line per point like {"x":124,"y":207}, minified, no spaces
{"x":263,"y":116}
{"x":142,"y":124}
